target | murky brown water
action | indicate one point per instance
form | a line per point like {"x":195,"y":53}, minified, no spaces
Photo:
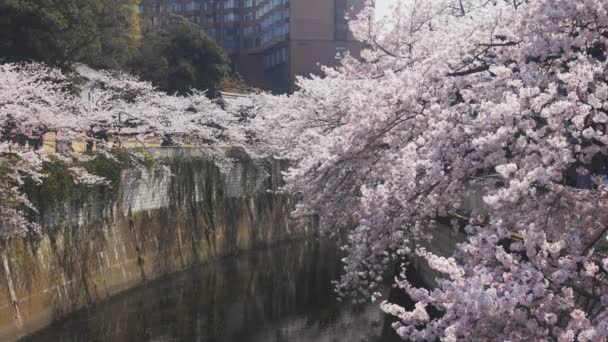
{"x":278,"y":294}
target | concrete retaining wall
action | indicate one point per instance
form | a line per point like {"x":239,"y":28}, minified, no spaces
{"x":96,"y":245}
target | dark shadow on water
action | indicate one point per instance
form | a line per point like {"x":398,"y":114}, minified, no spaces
{"x":277,"y":294}
{"x":400,"y":297}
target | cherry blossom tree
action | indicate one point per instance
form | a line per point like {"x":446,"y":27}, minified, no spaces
{"x":35,"y":99}
{"x":508,"y":97}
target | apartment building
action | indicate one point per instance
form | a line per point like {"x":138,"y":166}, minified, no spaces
{"x":269,"y":42}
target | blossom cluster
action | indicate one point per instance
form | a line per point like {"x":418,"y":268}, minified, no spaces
{"x":508,"y":97}
{"x":99,"y":108}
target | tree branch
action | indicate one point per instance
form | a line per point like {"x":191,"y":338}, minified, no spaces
{"x":469,"y":71}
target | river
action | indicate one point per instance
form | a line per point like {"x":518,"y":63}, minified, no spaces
{"x":282,"y":293}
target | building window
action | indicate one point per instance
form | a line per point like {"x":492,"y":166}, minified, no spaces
{"x":193,"y":6}
{"x":276,"y":57}
{"x":230,"y":17}
{"x":211,"y":19}
{"x":211,"y":5}
{"x":248,"y":31}
{"x":340,"y":22}
{"x":249,"y":43}
{"x":211,"y":31}
{"x":231,"y":31}
{"x":230,"y":4}
{"x":231,"y":44}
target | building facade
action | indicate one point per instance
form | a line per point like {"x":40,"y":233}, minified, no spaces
{"x":269,"y":42}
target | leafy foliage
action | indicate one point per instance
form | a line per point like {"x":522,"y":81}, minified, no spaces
{"x":180,"y":56}
{"x":50,"y":31}
{"x":119,"y":27}
{"x":101,"y":33}
{"x":107,"y":34}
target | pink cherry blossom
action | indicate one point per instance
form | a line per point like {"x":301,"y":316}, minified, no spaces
{"x":454,"y":102}
{"x":36,"y":99}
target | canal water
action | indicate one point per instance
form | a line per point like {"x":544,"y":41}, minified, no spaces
{"x":277,"y":294}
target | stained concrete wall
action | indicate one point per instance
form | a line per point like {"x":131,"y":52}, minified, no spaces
{"x":96,"y":245}
{"x":445,"y":237}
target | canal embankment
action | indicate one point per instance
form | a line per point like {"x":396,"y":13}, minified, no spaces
{"x":96,"y":244}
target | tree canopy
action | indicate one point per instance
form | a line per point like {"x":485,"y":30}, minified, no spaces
{"x":36,"y":99}
{"x":507,"y":100}
{"x":107,"y":34}
{"x":120,"y":34}
{"x":55,"y":32}
{"x":101,"y":33}
{"x":180,"y":56}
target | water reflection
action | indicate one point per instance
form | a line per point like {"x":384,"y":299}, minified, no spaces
{"x":278,"y":294}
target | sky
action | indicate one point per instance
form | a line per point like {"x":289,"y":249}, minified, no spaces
{"x":382,"y":6}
